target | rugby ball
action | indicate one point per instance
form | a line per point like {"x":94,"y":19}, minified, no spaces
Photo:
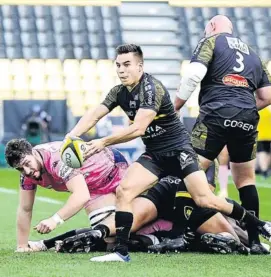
{"x":72,"y":152}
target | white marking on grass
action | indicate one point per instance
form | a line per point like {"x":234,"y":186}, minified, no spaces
{"x":8,"y":191}
{"x":48,"y":200}
{"x":40,"y":198}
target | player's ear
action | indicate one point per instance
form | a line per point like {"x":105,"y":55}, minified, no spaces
{"x":140,"y":66}
{"x":213,"y":25}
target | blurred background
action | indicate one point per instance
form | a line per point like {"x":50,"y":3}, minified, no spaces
{"x":57,"y":59}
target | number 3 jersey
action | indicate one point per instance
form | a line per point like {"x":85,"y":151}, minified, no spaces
{"x":102,"y":171}
{"x":234,"y":72}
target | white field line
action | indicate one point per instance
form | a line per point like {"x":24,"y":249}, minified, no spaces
{"x":40,"y":198}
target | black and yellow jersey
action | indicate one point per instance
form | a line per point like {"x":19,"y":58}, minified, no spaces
{"x":234,"y":72}
{"x":166,"y":132}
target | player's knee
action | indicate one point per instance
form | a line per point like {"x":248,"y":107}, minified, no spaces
{"x":123,"y":194}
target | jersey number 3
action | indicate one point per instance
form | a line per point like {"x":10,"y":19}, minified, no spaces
{"x":239,"y":60}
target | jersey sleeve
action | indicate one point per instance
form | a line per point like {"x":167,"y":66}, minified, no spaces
{"x":151,"y":94}
{"x":265,"y":78}
{"x":111,"y":100}
{"x":27,"y":183}
{"x":204,"y":51}
{"x":64,"y":172}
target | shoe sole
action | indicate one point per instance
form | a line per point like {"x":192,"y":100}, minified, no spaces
{"x":215,"y":243}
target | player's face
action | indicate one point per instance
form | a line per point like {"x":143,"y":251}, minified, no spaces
{"x":129,"y":69}
{"x":30,"y":167}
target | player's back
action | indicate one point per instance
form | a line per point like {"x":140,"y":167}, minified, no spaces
{"x":235,"y":71}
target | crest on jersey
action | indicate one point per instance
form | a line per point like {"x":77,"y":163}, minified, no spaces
{"x":132,"y":104}
{"x":188,"y":211}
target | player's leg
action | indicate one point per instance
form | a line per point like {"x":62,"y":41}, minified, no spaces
{"x":242,"y":151}
{"x":209,"y":137}
{"x":197,"y":186}
{"x":223,"y":174}
{"x":263,"y":156}
{"x":136,"y":180}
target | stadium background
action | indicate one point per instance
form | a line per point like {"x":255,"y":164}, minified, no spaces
{"x":61,"y":58}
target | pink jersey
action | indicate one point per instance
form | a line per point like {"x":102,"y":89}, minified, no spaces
{"x":102,"y":171}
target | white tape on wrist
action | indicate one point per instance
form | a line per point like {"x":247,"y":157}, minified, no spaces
{"x":57,"y":219}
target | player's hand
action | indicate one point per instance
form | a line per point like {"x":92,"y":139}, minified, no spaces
{"x":93,"y":147}
{"x":23,"y":249}
{"x":46,"y":226}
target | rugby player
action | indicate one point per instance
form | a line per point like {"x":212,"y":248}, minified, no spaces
{"x":229,"y":72}
{"x":168,"y":148}
{"x":168,"y":200}
{"x":92,"y":186}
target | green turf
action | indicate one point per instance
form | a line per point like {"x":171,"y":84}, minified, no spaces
{"x":50,"y":264}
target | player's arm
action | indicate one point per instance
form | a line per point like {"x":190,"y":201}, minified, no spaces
{"x":263,"y":92}
{"x":142,"y":120}
{"x":263,"y":97}
{"x":192,"y":77}
{"x":24,"y":216}
{"x":76,"y":184}
{"x":195,"y":71}
{"x":78,"y":198}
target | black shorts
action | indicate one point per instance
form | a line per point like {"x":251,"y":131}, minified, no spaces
{"x":231,"y":126}
{"x":176,"y":163}
{"x":264,"y":146}
{"x":175,"y":204}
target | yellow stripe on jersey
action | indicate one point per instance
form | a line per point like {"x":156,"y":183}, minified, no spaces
{"x":183,"y":194}
{"x":157,"y":117}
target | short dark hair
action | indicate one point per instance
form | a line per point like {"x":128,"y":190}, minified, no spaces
{"x":130,"y":48}
{"x":16,"y":150}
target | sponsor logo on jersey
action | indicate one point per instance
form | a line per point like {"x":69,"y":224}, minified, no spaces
{"x":154,"y":131}
{"x":64,"y":171}
{"x":236,"y":43}
{"x":235,"y":80}
{"x":188,"y":211}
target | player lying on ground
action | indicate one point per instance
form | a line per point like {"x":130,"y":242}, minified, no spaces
{"x":167,"y":200}
{"x":92,"y":186}
{"x":230,"y":74}
{"x":147,"y":103}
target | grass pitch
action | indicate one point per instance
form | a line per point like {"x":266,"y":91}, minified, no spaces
{"x":50,"y":264}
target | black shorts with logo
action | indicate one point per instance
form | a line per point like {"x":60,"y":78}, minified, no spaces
{"x":231,"y":126}
{"x":175,"y":204}
{"x":179,"y":163}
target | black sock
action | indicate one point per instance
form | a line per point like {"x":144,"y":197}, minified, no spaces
{"x":242,"y":215}
{"x":250,"y":201}
{"x":124,"y":221}
{"x":104,"y":230}
{"x":49,"y":243}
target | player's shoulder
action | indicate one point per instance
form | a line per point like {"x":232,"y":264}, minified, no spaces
{"x":117,"y":89}
{"x":50,"y":154}
{"x":148,"y":80}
